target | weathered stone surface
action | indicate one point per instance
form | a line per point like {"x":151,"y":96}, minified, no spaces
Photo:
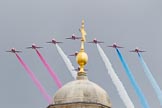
{"x":81,"y":94}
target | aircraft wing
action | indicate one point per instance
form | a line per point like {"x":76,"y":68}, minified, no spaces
{"x":115,"y":46}
{"x":75,"y":70}
{"x":72,"y":55}
{"x":69,"y":38}
{"x":29,"y":47}
{"x":119,"y":47}
{"x":39,"y":47}
{"x":49,"y":42}
{"x":141,"y":51}
{"x":90,"y":42}
{"x":8,"y":51}
{"x":132,"y":51}
{"x":59,"y":42}
{"x":77,"y":37}
{"x":136,"y":51}
{"x":18,"y":51}
{"x":14,"y":51}
{"x":110,"y":46}
{"x":100,"y":42}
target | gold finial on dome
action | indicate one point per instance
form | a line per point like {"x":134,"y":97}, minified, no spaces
{"x":82,"y":56}
{"x":83,"y":32}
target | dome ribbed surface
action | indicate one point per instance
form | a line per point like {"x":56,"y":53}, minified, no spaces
{"x":80,"y":91}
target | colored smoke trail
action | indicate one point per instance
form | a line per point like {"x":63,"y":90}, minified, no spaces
{"x":54,"y":76}
{"x":67,"y":61}
{"x":35,"y":80}
{"x":118,"y":84}
{"x":151,"y":79}
{"x":133,"y":82}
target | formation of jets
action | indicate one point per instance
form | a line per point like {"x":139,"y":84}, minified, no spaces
{"x":73,"y":37}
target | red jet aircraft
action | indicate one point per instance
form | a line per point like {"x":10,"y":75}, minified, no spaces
{"x":13,"y":50}
{"x":54,"y":41}
{"x":75,"y":54}
{"x":73,"y":37}
{"x":33,"y":47}
{"x":137,"y":50}
{"x":95,"y":41}
{"x":115,"y":46}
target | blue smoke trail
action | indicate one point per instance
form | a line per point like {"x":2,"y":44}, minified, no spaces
{"x":115,"y":79}
{"x":151,"y":79}
{"x":133,"y":82}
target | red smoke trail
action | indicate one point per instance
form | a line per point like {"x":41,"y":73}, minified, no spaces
{"x":35,"y":80}
{"x":54,"y":76}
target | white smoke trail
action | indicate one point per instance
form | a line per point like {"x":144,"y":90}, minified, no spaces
{"x":118,"y":84}
{"x":67,"y":62}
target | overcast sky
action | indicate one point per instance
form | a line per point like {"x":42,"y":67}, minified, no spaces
{"x":129,"y":23}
